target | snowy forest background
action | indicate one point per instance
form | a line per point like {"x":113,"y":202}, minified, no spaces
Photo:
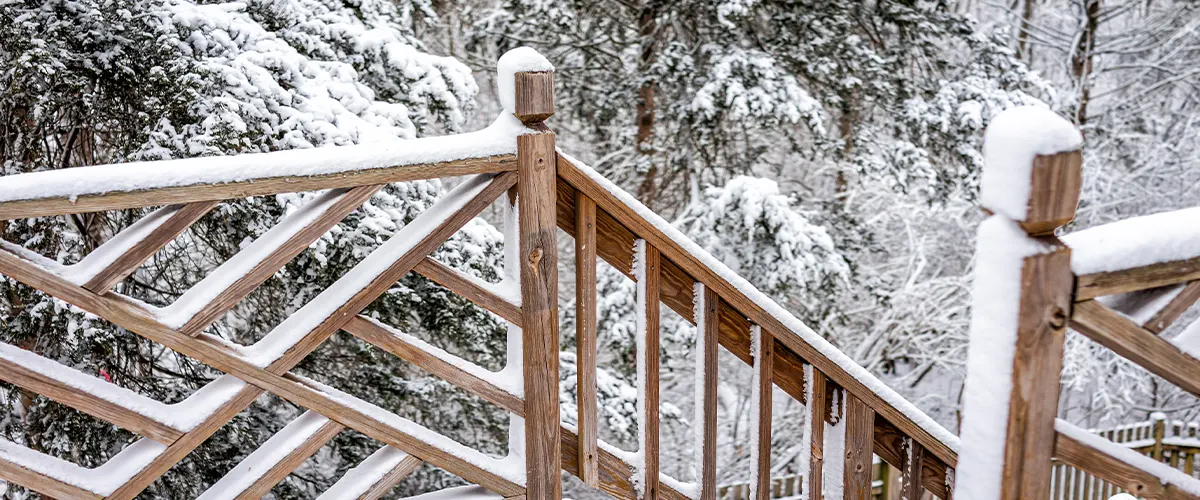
{"x":828,"y":150}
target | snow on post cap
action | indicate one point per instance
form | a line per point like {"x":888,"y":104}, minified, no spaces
{"x":515,"y":61}
{"x":1012,"y":141}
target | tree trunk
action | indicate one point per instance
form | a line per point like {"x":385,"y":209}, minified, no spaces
{"x":1081,"y":62}
{"x":648,"y":33}
{"x":1024,"y":50}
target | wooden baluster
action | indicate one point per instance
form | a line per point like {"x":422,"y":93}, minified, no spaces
{"x":910,"y":487}
{"x":764,"y":356}
{"x":536,"y":186}
{"x":585,"y":338}
{"x":709,"y":322}
{"x":818,"y":414}
{"x":649,"y":285}
{"x":860,"y":437}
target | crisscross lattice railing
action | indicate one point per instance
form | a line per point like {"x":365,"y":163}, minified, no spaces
{"x":853,"y":415}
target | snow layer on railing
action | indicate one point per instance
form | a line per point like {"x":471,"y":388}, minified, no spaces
{"x":102,"y":480}
{"x":357,"y":481}
{"x":103,"y":256}
{"x":1188,"y":340}
{"x":1001,"y":248}
{"x":760,"y":299}
{"x":227,"y":274}
{"x":1136,"y":242}
{"x":183,"y":416}
{"x":1011,"y":142}
{"x":296,"y":326}
{"x":500,"y":138}
{"x":509,"y":467}
{"x":251,"y":468}
{"x":1165,"y":473}
{"x":511,"y":385}
{"x":471,"y":492}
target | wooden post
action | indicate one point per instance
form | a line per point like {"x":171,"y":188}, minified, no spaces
{"x":1046,"y":288}
{"x":652,"y":357}
{"x":764,"y":362}
{"x":536,"y":192}
{"x":1160,"y":432}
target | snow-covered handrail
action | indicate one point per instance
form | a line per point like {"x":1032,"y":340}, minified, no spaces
{"x":153,"y":183}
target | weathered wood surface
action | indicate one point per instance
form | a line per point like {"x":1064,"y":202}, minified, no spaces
{"x":384,"y":484}
{"x":1090,"y":286}
{"x":1054,"y":192}
{"x":692,"y":270}
{"x":537,"y":179}
{"x":258,"y":187}
{"x":818,"y":414}
{"x":43,"y":484}
{"x":295,"y":458}
{"x":1156,"y":354}
{"x":652,"y":361}
{"x":137,"y":254}
{"x":710,"y":332}
{"x":764,"y":364}
{"x":454,"y":281}
{"x":1174,"y":309}
{"x":585,"y":339}
{"x":860,"y":433}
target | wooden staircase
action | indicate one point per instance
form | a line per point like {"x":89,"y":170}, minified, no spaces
{"x":860,"y":416}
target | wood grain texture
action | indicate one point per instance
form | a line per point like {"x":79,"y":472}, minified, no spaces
{"x":539,"y":303}
{"x":131,"y":316}
{"x":102,"y":409}
{"x":762,"y":456}
{"x":46,"y":485}
{"x":257,"y":187}
{"x":1054,"y":192}
{"x":1045,"y":303}
{"x":708,"y":453}
{"x":650,"y":435}
{"x":690,"y":265}
{"x":1097,"y":462}
{"x":393,"y":477}
{"x":818,"y":414}
{"x":1090,"y":286}
{"x":585,"y":340}
{"x":910,"y":484}
{"x":1157,"y":355}
{"x":290,"y":462}
{"x":615,"y":474}
{"x":454,"y":281}
{"x":860,"y":438}
{"x":1174,"y":309}
{"x":271,"y":263}
{"x":133,"y":258}
{"x":534,"y":96}
{"x":370,"y":331}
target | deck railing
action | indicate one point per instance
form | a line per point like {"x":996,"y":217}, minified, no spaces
{"x":1055,"y":284}
{"x":851,"y":411}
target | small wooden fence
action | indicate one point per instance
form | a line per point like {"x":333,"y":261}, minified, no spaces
{"x":520,"y":166}
{"x":1174,"y":443}
{"x":791,"y":486}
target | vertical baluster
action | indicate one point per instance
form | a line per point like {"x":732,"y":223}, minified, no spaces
{"x":910,"y":486}
{"x":818,"y":414}
{"x":648,"y":275}
{"x":585,"y":338}
{"x":708,"y":318}
{"x":763,"y":348}
{"x":860,"y":437}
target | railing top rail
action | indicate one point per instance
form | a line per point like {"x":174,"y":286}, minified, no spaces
{"x":153,"y":183}
{"x":761,"y":309}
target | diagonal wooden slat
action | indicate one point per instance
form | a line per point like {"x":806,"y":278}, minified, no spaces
{"x":457,"y":282}
{"x":43,"y":484}
{"x":260,"y":471}
{"x":1174,"y":309}
{"x":364,"y":483}
{"x":295,"y":240}
{"x":58,"y":389}
{"x":261,"y":186}
{"x":381,"y":336}
{"x":1157,"y":355}
{"x":131,"y":316}
{"x":119,"y":264}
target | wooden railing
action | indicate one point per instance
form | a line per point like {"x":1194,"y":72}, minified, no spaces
{"x":1055,"y":285}
{"x":850,"y":410}
{"x":1174,"y":443}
